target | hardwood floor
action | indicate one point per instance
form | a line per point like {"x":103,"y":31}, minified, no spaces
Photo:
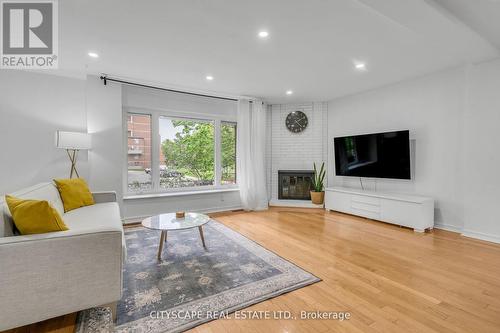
{"x":389,"y":278}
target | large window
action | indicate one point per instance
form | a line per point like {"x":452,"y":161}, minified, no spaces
{"x":139,"y":153}
{"x":191,"y":153}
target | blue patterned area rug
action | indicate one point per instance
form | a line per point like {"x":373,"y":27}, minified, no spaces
{"x":231,"y":273}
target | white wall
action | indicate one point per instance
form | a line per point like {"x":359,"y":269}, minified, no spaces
{"x":175,"y":103}
{"x":454,"y":123}
{"x":294,"y":151}
{"x":203,"y":202}
{"x":104,"y":122}
{"x":33,"y":107}
{"x":431,"y":108}
{"x":482,"y":152}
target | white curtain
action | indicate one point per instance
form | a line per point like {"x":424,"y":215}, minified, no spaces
{"x":251,"y":141}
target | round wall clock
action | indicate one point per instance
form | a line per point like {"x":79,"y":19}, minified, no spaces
{"x":296,"y":121}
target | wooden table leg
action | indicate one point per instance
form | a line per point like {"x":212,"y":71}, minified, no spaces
{"x":200,"y":229}
{"x":160,"y":248}
{"x":166,"y":236}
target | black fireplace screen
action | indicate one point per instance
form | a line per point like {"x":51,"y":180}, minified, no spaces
{"x":294,"y":184}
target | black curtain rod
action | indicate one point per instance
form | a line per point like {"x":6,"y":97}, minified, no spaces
{"x":105,"y":80}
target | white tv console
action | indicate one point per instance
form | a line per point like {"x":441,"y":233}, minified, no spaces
{"x":407,"y":210}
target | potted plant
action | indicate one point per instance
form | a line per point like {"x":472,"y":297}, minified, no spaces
{"x":317,"y":192}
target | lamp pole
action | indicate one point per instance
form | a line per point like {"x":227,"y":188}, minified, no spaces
{"x":73,"y":142}
{"x":72,"y":154}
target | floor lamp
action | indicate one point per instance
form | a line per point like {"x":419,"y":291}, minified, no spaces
{"x":73,"y":142}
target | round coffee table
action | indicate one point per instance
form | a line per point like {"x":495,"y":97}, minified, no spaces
{"x":168,"y":222}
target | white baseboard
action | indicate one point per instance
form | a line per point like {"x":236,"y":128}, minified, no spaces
{"x":448,"y":227}
{"x":468,"y":233}
{"x":133,"y":219}
{"x":482,"y":236}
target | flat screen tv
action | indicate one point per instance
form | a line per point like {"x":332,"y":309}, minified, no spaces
{"x":378,"y":155}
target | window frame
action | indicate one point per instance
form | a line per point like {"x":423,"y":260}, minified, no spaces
{"x":155,"y":149}
{"x":235,"y":150}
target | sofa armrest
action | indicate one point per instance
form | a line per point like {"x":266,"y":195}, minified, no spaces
{"x":49,"y":275}
{"x":101,"y":197}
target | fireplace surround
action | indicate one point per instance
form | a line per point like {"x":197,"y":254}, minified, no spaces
{"x":294,"y":184}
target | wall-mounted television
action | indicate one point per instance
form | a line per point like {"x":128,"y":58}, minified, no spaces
{"x":377,"y":155}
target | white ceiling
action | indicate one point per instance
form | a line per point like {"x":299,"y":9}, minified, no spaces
{"x":481,"y":15}
{"x":310,"y":50}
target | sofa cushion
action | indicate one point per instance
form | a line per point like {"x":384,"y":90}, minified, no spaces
{"x":43,"y":191}
{"x":7,"y":227}
{"x":74,"y":193}
{"x":98,"y":217}
{"x":34,"y":216}
{"x":95,"y":218}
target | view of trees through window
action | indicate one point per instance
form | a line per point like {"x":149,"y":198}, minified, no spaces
{"x":186,"y":154}
{"x":187,"y":148}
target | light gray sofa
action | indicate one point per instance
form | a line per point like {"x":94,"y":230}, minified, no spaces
{"x":47,"y":275}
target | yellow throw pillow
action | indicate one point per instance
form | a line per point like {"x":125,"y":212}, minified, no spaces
{"x":74,"y":193}
{"x":34,"y":216}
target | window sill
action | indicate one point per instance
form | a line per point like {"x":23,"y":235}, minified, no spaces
{"x":178,"y":194}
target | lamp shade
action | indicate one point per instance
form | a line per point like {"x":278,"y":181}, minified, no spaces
{"x":73,"y":140}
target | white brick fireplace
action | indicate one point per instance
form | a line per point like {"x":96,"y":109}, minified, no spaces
{"x":294,"y":151}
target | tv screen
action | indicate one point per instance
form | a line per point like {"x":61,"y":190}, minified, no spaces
{"x":378,"y":155}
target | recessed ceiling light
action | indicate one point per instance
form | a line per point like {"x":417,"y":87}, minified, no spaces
{"x":93,"y":55}
{"x":209,"y":77}
{"x":263,"y":34}
{"x":289,"y":92}
{"x":360,"y":66}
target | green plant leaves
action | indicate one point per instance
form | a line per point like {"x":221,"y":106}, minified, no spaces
{"x":319,"y":178}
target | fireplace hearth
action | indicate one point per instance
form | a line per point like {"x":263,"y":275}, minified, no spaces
{"x":294,"y":184}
